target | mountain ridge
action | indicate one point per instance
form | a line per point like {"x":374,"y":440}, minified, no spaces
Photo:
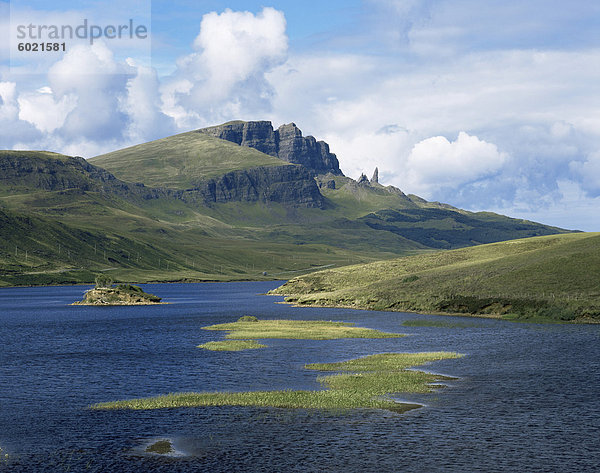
{"x":197,"y":207}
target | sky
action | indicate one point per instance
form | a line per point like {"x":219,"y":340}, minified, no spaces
{"x":485,"y":105}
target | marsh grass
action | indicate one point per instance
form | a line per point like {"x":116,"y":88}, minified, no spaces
{"x":297,"y":329}
{"x":383,"y":373}
{"x":362,"y":385}
{"x":232,"y":345}
{"x":384,"y":362}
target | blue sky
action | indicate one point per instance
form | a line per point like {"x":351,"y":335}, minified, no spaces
{"x":490,"y":105}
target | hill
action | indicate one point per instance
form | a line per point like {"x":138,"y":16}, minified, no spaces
{"x":551,"y":277}
{"x":196,"y":206}
{"x":181,"y":161}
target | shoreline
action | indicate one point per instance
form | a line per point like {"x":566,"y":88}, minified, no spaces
{"x":122,"y":304}
{"x":171,"y":281}
{"x":579,"y":321}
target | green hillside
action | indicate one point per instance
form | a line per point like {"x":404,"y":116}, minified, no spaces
{"x":180,"y":161}
{"x":193,"y":207}
{"x":555,"y":277}
{"x":36,"y":250}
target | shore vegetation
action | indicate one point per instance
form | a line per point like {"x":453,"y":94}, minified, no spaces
{"x":232,"y":345}
{"x":252,"y":328}
{"x":363,"y":383}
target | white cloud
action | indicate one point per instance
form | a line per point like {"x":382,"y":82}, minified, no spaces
{"x":13,"y":129}
{"x":437,"y":162}
{"x":538,"y":108}
{"x":575,"y":210}
{"x":142,"y":107}
{"x":99,"y":83}
{"x":173,"y":94}
{"x":93,"y":104}
{"x":45,"y":113}
{"x":234,"y":50}
{"x":236,"y":45}
{"x":366,"y":151}
{"x":8,"y":103}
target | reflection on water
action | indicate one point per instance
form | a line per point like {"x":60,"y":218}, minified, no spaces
{"x":526,"y":399}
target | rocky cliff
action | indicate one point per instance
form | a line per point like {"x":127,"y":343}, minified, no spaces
{"x":286,"y":143}
{"x":291,"y":185}
{"x":33,"y":171}
{"x":48,"y":171}
{"x":38,"y":170}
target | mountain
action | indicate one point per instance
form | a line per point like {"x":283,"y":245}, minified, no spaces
{"x":236,"y":201}
{"x":286,"y":143}
{"x":544,"y":278}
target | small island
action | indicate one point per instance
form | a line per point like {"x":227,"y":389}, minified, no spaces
{"x":104,"y":293}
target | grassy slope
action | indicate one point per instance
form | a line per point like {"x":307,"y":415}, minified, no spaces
{"x":553,"y":276}
{"x":167,"y":239}
{"x":43,"y":155}
{"x":179,"y":161}
{"x":147,"y":240}
{"x":37,"y":250}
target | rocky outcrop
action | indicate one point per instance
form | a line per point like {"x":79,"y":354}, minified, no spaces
{"x":123,"y":294}
{"x":286,"y":143}
{"x":375,"y":178}
{"x":363,"y":181}
{"x":289,"y":185}
{"x":258,"y":135}
{"x":307,"y":151}
{"x":327,"y":184}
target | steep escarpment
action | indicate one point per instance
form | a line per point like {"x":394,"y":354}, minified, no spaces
{"x":36,"y":171}
{"x":259,"y":135}
{"x":289,"y":185}
{"x":286,"y":143}
{"x":51,"y":171}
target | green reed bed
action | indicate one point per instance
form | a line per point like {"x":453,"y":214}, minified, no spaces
{"x":232,"y":345}
{"x":250,"y":327}
{"x":383,"y":373}
{"x":362,"y":384}
{"x":384,"y":362}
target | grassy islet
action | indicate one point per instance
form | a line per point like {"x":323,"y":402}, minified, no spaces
{"x":362,"y":383}
{"x":297,"y":329}
{"x":232,"y":345}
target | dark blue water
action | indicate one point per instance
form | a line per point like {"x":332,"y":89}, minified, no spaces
{"x":527,"y":397}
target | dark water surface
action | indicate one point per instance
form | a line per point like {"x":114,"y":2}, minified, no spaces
{"x":527,"y":397}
